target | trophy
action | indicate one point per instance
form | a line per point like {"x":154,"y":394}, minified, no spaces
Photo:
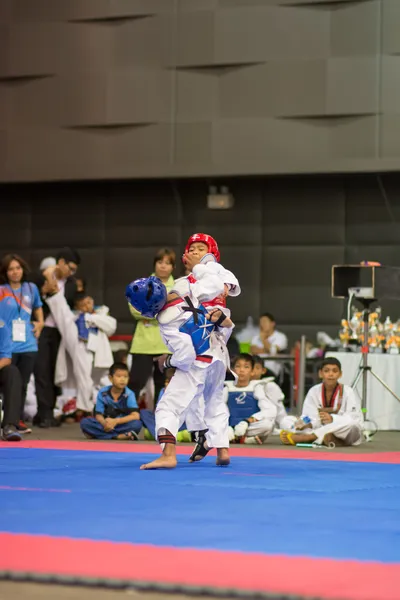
{"x":344,"y":333}
{"x":392,"y":346}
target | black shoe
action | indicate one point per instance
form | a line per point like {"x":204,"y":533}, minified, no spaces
{"x":200,"y":450}
{"x":11,"y":434}
{"x":47,"y":423}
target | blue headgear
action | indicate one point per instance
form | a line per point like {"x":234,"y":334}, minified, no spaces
{"x":148,"y":295}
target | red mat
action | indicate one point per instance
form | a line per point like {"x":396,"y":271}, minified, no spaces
{"x":153,"y":448}
{"x":323,"y":578}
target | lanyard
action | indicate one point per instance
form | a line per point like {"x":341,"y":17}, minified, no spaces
{"x":16,"y":300}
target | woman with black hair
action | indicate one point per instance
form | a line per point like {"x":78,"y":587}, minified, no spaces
{"x":21,"y":310}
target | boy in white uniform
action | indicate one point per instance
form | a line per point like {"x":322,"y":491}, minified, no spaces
{"x":253,"y":404}
{"x":197,"y":340}
{"x":334,"y":411}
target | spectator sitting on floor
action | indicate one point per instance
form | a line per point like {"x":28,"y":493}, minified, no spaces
{"x":259,"y":371}
{"x":252,"y":404}
{"x":282,"y":419}
{"x":117,"y":413}
{"x":11,"y":387}
{"x":333,"y":412}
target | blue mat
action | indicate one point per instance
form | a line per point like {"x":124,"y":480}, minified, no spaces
{"x":276,"y":506}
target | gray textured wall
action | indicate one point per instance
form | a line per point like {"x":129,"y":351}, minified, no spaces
{"x":134,"y":88}
{"x":281,"y":238}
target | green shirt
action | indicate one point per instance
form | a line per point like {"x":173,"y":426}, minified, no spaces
{"x":147,"y":337}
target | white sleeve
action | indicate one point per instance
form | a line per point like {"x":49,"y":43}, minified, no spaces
{"x":181,"y":346}
{"x":280,"y":343}
{"x":353,"y":405}
{"x":106,"y":323}
{"x":208,"y":285}
{"x":273,"y":392}
{"x":225,"y":333}
{"x":268,"y":410}
{"x":226,"y":276}
{"x":310,"y":408}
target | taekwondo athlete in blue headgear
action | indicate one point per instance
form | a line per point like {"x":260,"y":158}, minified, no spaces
{"x":197,"y":339}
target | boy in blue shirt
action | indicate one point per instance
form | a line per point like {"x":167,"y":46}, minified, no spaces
{"x":117,"y":414}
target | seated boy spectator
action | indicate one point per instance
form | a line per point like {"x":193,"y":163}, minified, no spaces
{"x":333,"y":411}
{"x":116,"y":413}
{"x":283,"y":420}
{"x":259,"y":371}
{"x":253,"y":405}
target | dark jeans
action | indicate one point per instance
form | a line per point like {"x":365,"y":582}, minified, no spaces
{"x":11,"y":388}
{"x":25,"y":362}
{"x":44,"y":371}
{"x":92,"y":427}
{"x":141,"y":369}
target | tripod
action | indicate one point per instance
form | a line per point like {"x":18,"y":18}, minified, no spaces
{"x":364,"y":368}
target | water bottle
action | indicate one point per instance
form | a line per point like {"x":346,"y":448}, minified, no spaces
{"x":305,"y":420}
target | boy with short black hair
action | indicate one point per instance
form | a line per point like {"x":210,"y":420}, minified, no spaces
{"x":116,"y":413}
{"x":259,"y":371}
{"x":333,"y":411}
{"x":252,"y":404}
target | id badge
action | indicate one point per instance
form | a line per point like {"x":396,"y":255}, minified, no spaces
{"x":19,"y":331}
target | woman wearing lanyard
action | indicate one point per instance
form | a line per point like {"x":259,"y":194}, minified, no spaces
{"x":18,"y":301}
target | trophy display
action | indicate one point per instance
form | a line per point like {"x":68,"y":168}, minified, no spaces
{"x":366,"y":284}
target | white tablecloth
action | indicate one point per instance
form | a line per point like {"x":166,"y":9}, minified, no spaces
{"x":382,"y":407}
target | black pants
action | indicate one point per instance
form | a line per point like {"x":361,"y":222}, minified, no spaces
{"x":11,"y":389}
{"x":25,"y":362}
{"x":141,"y":369}
{"x":44,"y":371}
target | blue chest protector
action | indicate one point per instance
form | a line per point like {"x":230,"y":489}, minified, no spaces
{"x":198,"y":327}
{"x":241,"y":405}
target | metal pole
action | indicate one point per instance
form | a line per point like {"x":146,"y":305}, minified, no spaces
{"x":366,"y":368}
{"x":302,"y":375}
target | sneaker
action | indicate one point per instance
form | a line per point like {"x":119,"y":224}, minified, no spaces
{"x":11,"y":434}
{"x":135,"y":436}
{"x":23,"y":427}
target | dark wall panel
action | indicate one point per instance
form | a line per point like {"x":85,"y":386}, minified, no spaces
{"x":281,"y":237}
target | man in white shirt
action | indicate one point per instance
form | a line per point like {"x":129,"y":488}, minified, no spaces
{"x":61,"y":278}
{"x":269,"y":341}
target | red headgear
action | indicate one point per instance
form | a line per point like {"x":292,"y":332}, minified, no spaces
{"x":205,"y":239}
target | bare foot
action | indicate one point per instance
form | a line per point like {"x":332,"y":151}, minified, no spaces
{"x":223,"y":458}
{"x":163,"y":462}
